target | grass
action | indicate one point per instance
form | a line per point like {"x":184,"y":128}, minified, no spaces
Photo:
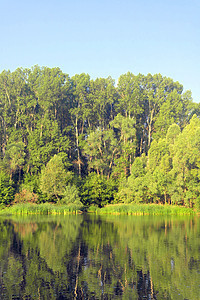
{"x":115,"y":209}
{"x":43,"y":209}
{"x":93,"y":209}
{"x":144,"y":209}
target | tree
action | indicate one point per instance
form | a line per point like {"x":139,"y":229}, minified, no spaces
{"x":159,"y":93}
{"x":14,"y":157}
{"x":135,"y":187}
{"x":54,"y":178}
{"x":42,"y":146}
{"x":71,"y":196}
{"x":131,"y":104}
{"x":98,"y":190}
{"x":186,"y":165}
{"x":6,"y":189}
{"x":100,"y":147}
{"x":125,"y":135}
{"x":176,"y":109}
{"x":102,"y":101}
{"x":78,"y":106}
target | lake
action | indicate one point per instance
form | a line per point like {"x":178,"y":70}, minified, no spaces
{"x":99,"y":257}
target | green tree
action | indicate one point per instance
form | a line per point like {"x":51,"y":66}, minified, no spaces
{"x":42,"y":146}
{"x":71,"y":195}
{"x":186,"y":165}
{"x":131,"y":104}
{"x":6,"y":189}
{"x":135,"y":187}
{"x":78,"y":108}
{"x":54,"y":178}
{"x":100,"y":148}
{"x":15,"y":157}
{"x":160,"y":94}
{"x":102,"y":100}
{"x":98,"y":190}
{"x":125,"y":134}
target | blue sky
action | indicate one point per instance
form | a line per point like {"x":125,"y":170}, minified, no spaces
{"x":104,"y":38}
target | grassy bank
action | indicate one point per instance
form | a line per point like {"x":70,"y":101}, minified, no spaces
{"x":44,"y":209}
{"x":115,"y":209}
{"x":142,"y":209}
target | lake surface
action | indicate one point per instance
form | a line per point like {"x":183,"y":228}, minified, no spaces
{"x":100,"y":257}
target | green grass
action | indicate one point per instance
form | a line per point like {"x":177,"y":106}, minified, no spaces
{"x":93,"y":209}
{"x":117,"y":209}
{"x":145,"y":209}
{"x":44,"y":209}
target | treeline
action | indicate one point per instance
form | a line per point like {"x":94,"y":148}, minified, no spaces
{"x":76,"y":139}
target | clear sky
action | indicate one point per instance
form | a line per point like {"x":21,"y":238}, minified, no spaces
{"x":104,"y":37}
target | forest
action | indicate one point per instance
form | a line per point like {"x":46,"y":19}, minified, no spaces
{"x":70,"y":140}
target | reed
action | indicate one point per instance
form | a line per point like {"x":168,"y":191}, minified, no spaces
{"x":93,"y":209}
{"x":117,"y":209}
{"x":43,"y":209}
{"x":145,"y":209}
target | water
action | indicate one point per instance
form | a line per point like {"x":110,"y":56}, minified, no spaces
{"x":93,"y":257}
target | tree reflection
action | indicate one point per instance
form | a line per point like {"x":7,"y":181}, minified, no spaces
{"x":91,"y":257}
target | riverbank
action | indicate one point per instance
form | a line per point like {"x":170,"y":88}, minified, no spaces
{"x":116,"y":209}
{"x":43,"y":209}
{"x":142,"y":209}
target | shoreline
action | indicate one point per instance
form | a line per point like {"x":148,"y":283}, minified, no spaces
{"x":114,"y":209}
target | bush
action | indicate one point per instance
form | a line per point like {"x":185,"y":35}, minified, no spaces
{"x":70,"y":196}
{"x":26,"y":196}
{"x":98,"y":190}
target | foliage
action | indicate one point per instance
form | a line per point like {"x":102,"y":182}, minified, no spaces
{"x":172,"y":170}
{"x":58,"y":129}
{"x":6,"y":189}
{"x":54,"y":178}
{"x":71,"y":195}
{"x":25,"y":196}
{"x":98,"y":190}
{"x":14,"y":157}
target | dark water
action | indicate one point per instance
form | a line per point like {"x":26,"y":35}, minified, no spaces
{"x":91,"y":257}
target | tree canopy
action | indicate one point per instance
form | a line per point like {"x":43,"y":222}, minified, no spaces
{"x":140,"y":135}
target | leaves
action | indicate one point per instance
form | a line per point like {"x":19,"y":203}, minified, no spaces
{"x":54,"y":178}
{"x":97,"y":126}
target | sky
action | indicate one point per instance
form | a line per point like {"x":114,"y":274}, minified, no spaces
{"x":104,"y":37}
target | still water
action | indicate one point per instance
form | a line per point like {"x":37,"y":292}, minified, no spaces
{"x":99,"y":257}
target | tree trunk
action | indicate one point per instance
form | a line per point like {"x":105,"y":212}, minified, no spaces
{"x":165,"y":198}
{"x":77,"y":146}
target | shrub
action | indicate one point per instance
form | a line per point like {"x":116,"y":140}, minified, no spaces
{"x":70,"y":196}
{"x":98,"y":190}
{"x":25,"y":196}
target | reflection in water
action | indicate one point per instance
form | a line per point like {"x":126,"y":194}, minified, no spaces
{"x":92,"y":257}
{"x":145,"y":286}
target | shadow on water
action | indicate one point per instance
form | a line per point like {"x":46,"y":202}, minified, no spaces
{"x":93,"y":257}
